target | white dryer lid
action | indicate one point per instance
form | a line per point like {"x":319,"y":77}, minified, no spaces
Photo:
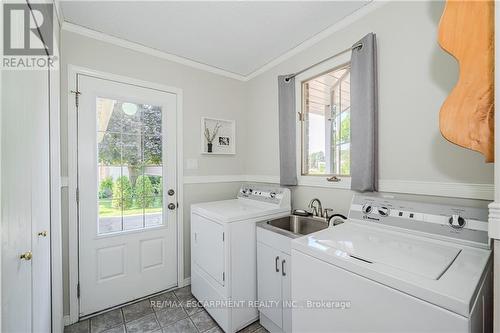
{"x":236,"y":210}
{"x":415,"y":256}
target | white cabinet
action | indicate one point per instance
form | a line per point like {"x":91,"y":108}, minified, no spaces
{"x":269,"y":282}
{"x":273,"y":281}
{"x":286,"y":290}
{"x":26,"y":299}
{"x":25,"y":199}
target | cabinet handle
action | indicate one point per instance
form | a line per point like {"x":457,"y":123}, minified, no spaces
{"x":276,"y":264}
{"x":283,"y":262}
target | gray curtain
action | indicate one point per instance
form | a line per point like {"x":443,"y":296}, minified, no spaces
{"x":364,"y":108}
{"x":287,"y":119}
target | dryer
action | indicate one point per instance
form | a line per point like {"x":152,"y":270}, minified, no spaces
{"x":395,"y":266}
{"x":223,"y":252}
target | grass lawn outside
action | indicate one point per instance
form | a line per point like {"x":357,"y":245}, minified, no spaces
{"x":106,"y":209}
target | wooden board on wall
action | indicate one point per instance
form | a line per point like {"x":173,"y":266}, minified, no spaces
{"x":466,"y":31}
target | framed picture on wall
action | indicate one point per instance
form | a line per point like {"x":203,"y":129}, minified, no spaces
{"x":217,"y":136}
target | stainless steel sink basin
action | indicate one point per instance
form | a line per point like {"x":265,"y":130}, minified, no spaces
{"x":297,"y":225}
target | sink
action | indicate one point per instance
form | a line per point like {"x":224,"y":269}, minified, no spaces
{"x":297,"y":225}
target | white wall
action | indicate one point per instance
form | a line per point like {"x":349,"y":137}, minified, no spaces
{"x":415,"y":76}
{"x":204,"y":94}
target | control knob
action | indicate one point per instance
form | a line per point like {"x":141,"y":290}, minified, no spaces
{"x":272,"y":195}
{"x":456,"y":221}
{"x":366,"y":208}
{"x":383,"y":211}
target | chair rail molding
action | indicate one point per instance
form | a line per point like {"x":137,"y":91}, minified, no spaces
{"x":494,"y":220}
{"x":443,"y":189}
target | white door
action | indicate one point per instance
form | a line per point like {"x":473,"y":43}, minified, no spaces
{"x":127,"y":192}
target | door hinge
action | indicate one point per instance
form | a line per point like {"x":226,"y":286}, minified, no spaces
{"x":77,"y":97}
{"x":77,"y":195}
{"x":78,"y":290}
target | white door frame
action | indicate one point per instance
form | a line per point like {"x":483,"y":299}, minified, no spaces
{"x":73,"y":71}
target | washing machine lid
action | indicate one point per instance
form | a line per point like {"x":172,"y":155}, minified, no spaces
{"x":415,"y":256}
{"x":443,"y":273}
{"x":234,"y":210}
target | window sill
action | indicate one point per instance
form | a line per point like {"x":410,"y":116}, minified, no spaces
{"x":320,"y":181}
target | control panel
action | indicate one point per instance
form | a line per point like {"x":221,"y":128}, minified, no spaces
{"x":462,"y":223}
{"x":274,"y":195}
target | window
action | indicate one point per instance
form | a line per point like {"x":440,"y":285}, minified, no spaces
{"x":129,"y":138}
{"x":326,"y":131}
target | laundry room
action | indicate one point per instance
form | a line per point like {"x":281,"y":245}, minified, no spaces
{"x":249,"y":166}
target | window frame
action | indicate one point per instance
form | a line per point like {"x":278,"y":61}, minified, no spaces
{"x":339,"y":62}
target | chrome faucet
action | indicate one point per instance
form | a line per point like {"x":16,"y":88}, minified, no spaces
{"x":317,"y":210}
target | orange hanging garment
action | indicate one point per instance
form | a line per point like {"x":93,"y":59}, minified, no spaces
{"x":466,"y":31}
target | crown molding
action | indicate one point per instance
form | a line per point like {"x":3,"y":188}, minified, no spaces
{"x":354,"y":16}
{"x":58,"y":11}
{"x":78,"y":29}
{"x":343,"y":23}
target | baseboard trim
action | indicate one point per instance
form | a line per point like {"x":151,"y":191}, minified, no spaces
{"x":66,"y":320}
{"x":442,"y":189}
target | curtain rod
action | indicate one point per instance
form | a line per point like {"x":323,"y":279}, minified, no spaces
{"x":355,"y":46}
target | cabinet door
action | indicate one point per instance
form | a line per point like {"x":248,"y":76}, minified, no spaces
{"x":25,"y":202}
{"x":269,"y":282}
{"x":286,"y":290}
{"x":207,"y":239}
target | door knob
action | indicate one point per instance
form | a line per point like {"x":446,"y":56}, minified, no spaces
{"x":171,"y":206}
{"x":27,"y":256}
{"x":43,"y":233}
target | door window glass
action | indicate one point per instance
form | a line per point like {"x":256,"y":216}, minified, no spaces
{"x":130,"y":175}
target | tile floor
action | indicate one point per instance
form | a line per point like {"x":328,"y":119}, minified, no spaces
{"x":159,"y":314}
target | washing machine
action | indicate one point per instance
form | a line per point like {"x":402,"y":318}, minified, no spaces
{"x":223,"y":252}
{"x":395,"y":266}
